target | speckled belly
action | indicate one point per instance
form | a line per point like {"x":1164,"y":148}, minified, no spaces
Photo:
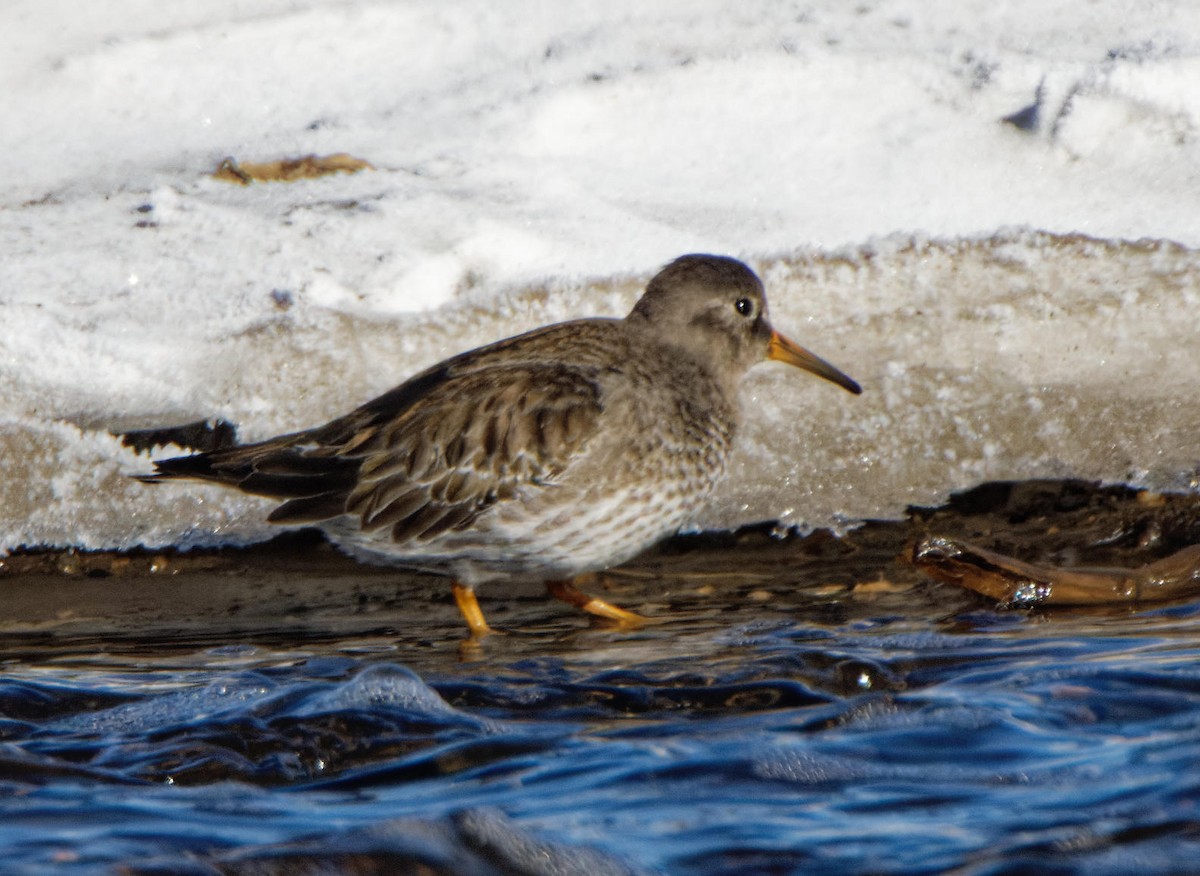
{"x":553,"y":536}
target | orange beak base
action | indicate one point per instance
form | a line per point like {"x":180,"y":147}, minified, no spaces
{"x":782,"y":350}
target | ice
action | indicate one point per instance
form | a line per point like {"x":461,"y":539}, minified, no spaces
{"x":1015,"y":300}
{"x":1016,"y":356}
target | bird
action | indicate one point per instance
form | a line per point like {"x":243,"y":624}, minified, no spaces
{"x":551,"y":455}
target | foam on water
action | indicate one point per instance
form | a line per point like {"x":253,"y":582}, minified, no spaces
{"x":382,"y":686}
{"x":217,"y":699}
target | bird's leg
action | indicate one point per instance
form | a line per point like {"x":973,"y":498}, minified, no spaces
{"x":468,"y":605}
{"x":569,"y":593}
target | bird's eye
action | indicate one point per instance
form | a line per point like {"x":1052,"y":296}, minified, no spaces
{"x":744,"y":306}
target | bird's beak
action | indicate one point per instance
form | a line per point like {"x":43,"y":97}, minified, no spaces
{"x":782,"y":350}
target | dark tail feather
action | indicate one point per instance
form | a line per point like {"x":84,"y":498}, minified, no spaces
{"x":273,"y":471}
{"x":197,"y":467}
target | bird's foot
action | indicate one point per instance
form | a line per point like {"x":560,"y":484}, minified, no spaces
{"x":569,"y":593}
{"x":468,"y":606}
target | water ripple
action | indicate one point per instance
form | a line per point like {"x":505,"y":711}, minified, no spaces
{"x":878,"y":746}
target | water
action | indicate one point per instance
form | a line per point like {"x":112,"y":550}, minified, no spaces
{"x":812,"y":706}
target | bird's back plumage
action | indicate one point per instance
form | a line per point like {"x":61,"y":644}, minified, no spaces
{"x":510,"y":426}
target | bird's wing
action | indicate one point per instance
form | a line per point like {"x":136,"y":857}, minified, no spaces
{"x":435,"y":462}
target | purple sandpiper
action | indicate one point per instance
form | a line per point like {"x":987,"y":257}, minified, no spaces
{"x":550,"y":455}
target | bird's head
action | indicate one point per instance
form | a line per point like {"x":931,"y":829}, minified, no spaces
{"x":715,"y":308}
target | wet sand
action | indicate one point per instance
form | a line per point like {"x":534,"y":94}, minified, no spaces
{"x":299,"y":586}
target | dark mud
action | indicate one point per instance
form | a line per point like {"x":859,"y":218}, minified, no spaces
{"x":810,"y":704}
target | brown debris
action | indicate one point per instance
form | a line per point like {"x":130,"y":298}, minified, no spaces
{"x":201,"y":435}
{"x":71,"y":563}
{"x":1014,"y":582}
{"x":1079,"y":543}
{"x":879,"y":586}
{"x":289,"y":169}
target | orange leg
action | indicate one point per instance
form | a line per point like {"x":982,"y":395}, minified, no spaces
{"x":468,"y":605}
{"x":569,"y":593}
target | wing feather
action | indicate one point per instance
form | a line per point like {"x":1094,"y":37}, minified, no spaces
{"x":426,"y":458}
{"x":475,"y":441}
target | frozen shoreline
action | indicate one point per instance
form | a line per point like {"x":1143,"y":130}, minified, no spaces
{"x":1039,"y":377}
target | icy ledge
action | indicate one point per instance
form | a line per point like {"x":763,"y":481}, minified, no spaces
{"x":1019,"y":355}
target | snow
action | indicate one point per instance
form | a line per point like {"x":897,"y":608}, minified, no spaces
{"x":1016,"y":300}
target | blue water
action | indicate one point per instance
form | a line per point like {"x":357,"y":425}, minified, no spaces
{"x":974,"y":741}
